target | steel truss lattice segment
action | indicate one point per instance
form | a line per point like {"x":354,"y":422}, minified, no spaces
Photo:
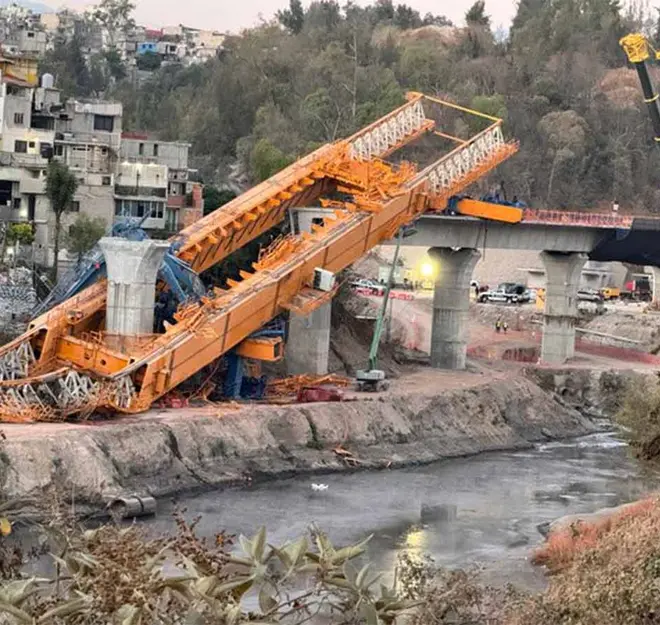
{"x":392,"y":132}
{"x":16,"y":363}
{"x":466,"y":159}
{"x":56,"y":396}
{"x":123,"y":392}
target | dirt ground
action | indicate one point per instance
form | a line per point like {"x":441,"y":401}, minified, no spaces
{"x":410,"y":323}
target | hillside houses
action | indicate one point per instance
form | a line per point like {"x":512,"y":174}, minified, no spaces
{"x":119,"y":174}
{"x":23,"y":32}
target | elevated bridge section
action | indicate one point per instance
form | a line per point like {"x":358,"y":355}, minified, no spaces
{"x":565,"y":239}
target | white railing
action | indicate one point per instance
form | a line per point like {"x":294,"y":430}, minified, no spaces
{"x":380,"y":139}
{"x":465,"y":159}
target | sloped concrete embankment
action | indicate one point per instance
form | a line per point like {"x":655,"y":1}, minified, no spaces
{"x":170,"y":453}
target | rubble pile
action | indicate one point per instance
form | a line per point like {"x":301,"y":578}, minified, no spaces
{"x":17,"y":300}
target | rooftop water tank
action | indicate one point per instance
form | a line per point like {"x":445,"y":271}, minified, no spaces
{"x":47,"y":81}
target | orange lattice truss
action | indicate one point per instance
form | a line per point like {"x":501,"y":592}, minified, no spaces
{"x":65,"y":364}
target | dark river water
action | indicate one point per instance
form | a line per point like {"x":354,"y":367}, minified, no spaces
{"x":483,"y":510}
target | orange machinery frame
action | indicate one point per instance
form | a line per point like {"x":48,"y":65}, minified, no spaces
{"x":66,"y":346}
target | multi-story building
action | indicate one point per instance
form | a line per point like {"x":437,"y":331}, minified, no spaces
{"x":21,"y":31}
{"x":32,"y":41}
{"x":183,"y":197}
{"x":87,"y":140}
{"x":26,"y":144}
{"x":141,"y":193}
{"x":135,"y":176}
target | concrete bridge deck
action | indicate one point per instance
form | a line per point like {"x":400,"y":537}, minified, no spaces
{"x":565,"y":241}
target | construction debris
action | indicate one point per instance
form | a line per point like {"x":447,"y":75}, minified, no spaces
{"x":292,"y":386}
{"x":346,"y":456}
{"x":313,"y":394}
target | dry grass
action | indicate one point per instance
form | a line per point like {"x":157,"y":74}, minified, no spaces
{"x":608,"y":574}
{"x":564,"y":545}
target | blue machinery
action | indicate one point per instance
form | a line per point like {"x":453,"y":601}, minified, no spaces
{"x":183,"y":284}
{"x":237,"y":384}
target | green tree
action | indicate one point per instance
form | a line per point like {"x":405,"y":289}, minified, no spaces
{"x":16,"y":234}
{"x":405,"y":17}
{"x":436,"y":20}
{"x":476,"y":14}
{"x":61,"y":185}
{"x":293,"y":18}
{"x":84,"y":233}
{"x":67,"y":63}
{"x":149,"y":61}
{"x":116,"y":19}
{"x":494,"y":105}
{"x":215,"y":198}
{"x":384,"y":10}
{"x":97,"y":75}
{"x":20,"y":233}
{"x":267,"y":160}
{"x":115,"y":65}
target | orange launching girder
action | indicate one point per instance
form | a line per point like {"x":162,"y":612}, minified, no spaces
{"x":77,"y":366}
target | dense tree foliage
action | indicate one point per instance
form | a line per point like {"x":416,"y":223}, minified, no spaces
{"x":84,"y":234}
{"x":215,"y":198}
{"x":61,"y":185}
{"x":315,"y":74}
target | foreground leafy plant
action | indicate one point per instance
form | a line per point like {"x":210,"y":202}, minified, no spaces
{"x":114,"y":575}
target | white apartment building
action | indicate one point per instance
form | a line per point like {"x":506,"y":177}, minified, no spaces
{"x":141,"y":191}
{"x":137,"y":177}
{"x":24,"y":154}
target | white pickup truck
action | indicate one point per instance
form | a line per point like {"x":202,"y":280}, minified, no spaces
{"x":507,"y":293}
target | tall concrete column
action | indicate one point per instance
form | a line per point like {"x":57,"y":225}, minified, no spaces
{"x":562,"y":272}
{"x":655,"y":271}
{"x":308,"y":343}
{"x":451,"y":304}
{"x":132,"y":268}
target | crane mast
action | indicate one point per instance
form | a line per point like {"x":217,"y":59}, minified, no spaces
{"x":638,"y":50}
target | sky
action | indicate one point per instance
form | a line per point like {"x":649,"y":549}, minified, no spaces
{"x":232,"y":15}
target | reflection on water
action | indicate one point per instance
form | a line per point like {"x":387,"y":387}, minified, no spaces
{"x":482,"y":510}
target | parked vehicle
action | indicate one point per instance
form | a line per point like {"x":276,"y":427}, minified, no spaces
{"x":638,"y":290}
{"x":591,"y":307}
{"x":508,"y":293}
{"x":367,"y":287}
{"x":589,"y":295}
{"x":610,"y":292}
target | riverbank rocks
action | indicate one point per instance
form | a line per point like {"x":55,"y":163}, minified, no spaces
{"x":170,"y":452}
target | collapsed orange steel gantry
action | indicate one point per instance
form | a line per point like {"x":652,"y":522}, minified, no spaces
{"x":65,"y":363}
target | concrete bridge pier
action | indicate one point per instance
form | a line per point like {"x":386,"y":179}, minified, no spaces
{"x":655,"y":287}
{"x":132,"y":268}
{"x":308,"y":342}
{"x":451,"y":304}
{"x":562,"y":272}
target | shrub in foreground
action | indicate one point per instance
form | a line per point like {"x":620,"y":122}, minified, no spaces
{"x":119,"y":576}
{"x":564,"y":545}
